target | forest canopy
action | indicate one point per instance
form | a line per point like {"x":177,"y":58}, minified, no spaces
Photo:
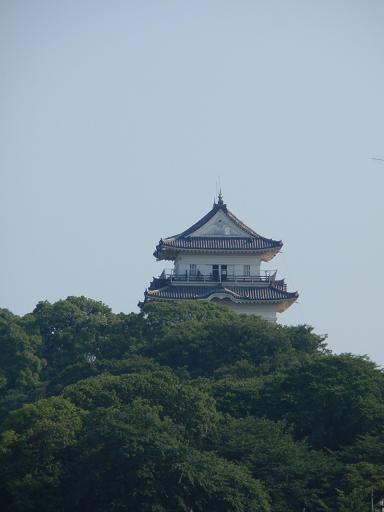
{"x":183,"y":407}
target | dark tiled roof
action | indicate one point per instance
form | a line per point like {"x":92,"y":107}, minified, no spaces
{"x":183,"y":241}
{"x":225,"y":243}
{"x":245,"y":293}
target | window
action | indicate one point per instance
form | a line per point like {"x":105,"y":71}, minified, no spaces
{"x":231,"y":271}
{"x":192,"y":269}
{"x":247,"y":270}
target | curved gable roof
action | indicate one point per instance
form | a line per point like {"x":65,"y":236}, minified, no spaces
{"x":249,"y":242}
{"x":220,"y":206}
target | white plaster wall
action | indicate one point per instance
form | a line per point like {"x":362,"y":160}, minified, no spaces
{"x":266,"y":311}
{"x":204,"y":262}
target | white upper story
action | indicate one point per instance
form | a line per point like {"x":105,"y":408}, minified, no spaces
{"x":207,"y":264}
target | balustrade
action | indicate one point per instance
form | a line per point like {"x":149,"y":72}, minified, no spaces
{"x":267,"y":277}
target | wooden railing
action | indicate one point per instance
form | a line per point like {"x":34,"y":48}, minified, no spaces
{"x":209,"y":278}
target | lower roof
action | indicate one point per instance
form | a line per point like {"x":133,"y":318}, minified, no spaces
{"x":238,"y":293}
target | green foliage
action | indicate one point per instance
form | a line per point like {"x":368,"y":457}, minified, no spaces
{"x":203,"y":347}
{"x":19,"y":364}
{"x":163,"y":315}
{"x":33,"y":452}
{"x":135,"y":459}
{"x":293,"y":474}
{"x":238,"y":397}
{"x":360,"y":483}
{"x":184,"y":403}
{"x":331,"y":400}
{"x":212,"y":483}
{"x":183,"y":407}
{"x":79,"y":330}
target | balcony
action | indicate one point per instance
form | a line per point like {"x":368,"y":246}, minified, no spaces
{"x":268,"y":277}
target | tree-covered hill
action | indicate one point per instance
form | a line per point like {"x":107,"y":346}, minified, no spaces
{"x":185,"y":407}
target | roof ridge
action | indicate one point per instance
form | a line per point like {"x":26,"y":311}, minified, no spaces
{"x":199,"y":223}
{"x":216,"y":207}
{"x":241,"y":224}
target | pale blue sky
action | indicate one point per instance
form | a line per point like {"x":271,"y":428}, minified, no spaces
{"x":116,"y":118}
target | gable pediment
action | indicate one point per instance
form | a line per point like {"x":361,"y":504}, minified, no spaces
{"x":219,"y":225}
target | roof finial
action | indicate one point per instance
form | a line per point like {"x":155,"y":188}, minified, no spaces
{"x":220,"y":195}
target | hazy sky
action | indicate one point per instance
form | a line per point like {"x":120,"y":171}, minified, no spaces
{"x":116,"y":117}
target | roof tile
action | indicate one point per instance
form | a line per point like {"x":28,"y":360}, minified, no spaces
{"x":247,"y":293}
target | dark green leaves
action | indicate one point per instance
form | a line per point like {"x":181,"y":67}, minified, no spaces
{"x":184,"y":407}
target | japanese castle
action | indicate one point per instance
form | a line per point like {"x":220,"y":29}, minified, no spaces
{"x":218,"y":259}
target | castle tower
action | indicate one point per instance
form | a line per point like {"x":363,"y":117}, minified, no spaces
{"x":218,"y":259}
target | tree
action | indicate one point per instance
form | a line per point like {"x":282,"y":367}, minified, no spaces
{"x":184,"y":403}
{"x":237,"y":397}
{"x":183,"y":407}
{"x":295,"y":476}
{"x":134,"y":459}
{"x":80,"y":330}
{"x":20,"y":365}
{"x":159,"y":316}
{"x":34,"y":448}
{"x":360,"y":483}
{"x":331,"y":399}
{"x":202,"y":347}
